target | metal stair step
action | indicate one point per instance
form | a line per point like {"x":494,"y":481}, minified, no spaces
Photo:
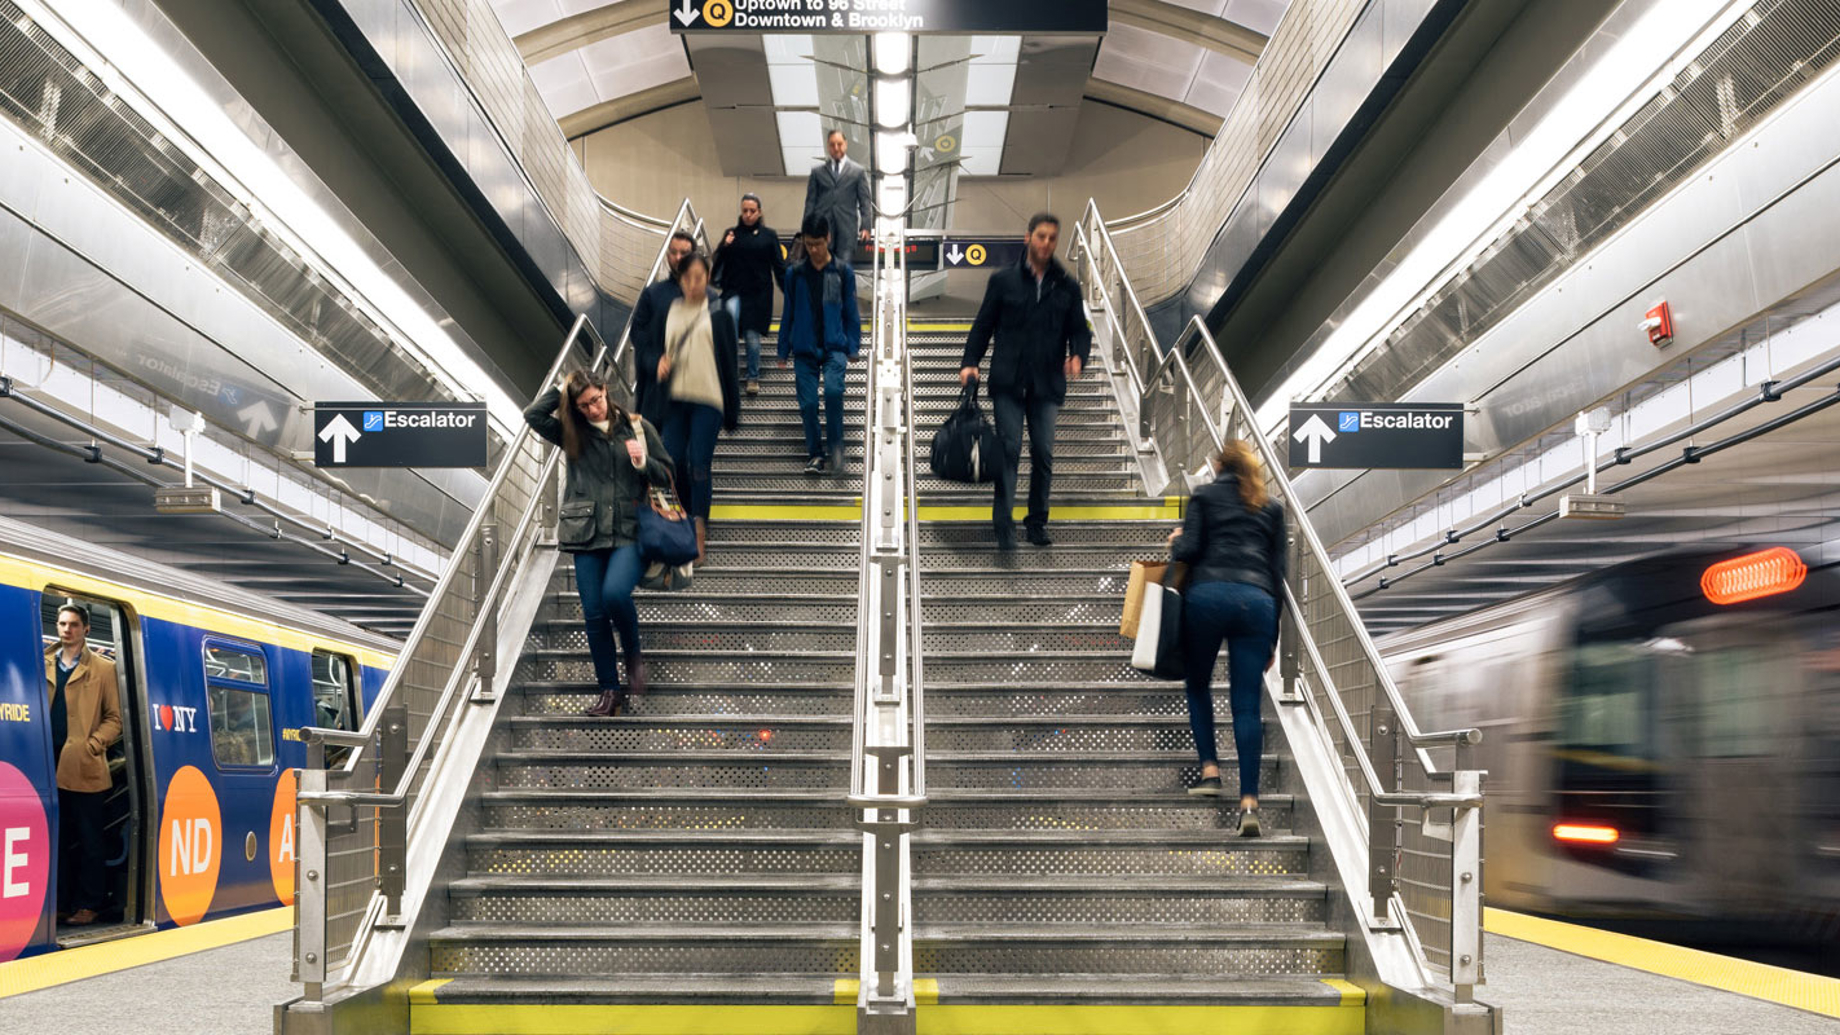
{"x":652,"y":901}
{"x":723,"y":637}
{"x":664,"y":667}
{"x":1250,"y":989}
{"x":599,"y":949}
{"x":552,"y":697}
{"x":639,"y":989}
{"x":663,"y":853}
{"x":628,"y":736}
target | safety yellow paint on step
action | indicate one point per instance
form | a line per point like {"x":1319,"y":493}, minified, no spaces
{"x":1810,"y":992}
{"x":787,"y":512}
{"x":938,"y":328}
{"x":1168,"y":510}
{"x":67,"y":965}
{"x":639,"y":1019}
{"x":844,"y":992}
{"x":1352,"y":994}
{"x":424,"y":993}
{"x":926,"y":991}
{"x":1091,"y":1019}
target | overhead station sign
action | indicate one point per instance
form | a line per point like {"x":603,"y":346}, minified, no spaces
{"x":1002,"y":17}
{"x":1383,"y":435}
{"x":416,"y":434}
{"x":964,"y":254}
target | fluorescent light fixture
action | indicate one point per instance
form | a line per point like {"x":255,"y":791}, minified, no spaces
{"x":891,"y":195}
{"x":892,"y":98}
{"x":1666,"y":39}
{"x":794,"y":86}
{"x":985,"y":129}
{"x":891,"y":152}
{"x":892,"y":52}
{"x":223,"y":149}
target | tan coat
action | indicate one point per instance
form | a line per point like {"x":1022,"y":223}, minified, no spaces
{"x":92,"y":704}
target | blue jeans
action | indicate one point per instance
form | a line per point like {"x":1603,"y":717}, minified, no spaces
{"x":689,"y":434}
{"x":1246,"y":617}
{"x":1041,"y":413}
{"x":753,"y":354}
{"x":605,"y":579}
{"x":807,"y":371}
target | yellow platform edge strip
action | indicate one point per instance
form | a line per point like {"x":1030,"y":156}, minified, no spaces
{"x":66,"y":965}
{"x":840,"y":1019}
{"x":1810,"y":992}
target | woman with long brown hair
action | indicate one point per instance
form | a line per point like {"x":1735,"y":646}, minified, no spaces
{"x":1233,"y":540}
{"x":614,"y":457}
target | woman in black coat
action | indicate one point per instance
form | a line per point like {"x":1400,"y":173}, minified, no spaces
{"x":749,"y":263}
{"x":1233,"y":540}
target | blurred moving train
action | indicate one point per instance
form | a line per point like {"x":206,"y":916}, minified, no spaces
{"x":1662,"y":739}
{"x":215,"y":683}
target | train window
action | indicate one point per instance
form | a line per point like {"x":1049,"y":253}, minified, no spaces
{"x":334,"y":691}
{"x":1606,"y":710}
{"x":241,"y":728}
{"x":1738,"y":695}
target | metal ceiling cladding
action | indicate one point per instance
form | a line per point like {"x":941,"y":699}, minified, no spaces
{"x":1766,"y":573}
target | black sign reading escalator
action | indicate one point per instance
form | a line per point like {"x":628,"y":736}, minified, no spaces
{"x":1384,"y":435}
{"x":1002,"y":17}
{"x":417,"y":434}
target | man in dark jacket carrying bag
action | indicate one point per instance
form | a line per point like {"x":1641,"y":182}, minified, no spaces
{"x":1035,"y":312}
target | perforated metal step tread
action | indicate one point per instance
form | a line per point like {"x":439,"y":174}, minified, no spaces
{"x":1146,"y":989}
{"x":1165,"y":838}
{"x":1127,"y":884}
{"x":701,"y":839}
{"x":663,"y":884}
{"x":629,"y":989}
{"x":1274,"y":935}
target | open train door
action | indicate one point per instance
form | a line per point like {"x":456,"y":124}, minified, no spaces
{"x":128,"y":905}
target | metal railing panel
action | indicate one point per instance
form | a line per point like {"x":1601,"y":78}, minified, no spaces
{"x":1424,"y":822}
{"x":358,"y":811}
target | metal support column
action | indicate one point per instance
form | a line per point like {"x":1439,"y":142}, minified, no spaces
{"x":393,"y":824}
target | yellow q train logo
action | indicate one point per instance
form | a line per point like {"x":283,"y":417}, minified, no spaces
{"x":975,"y":255}
{"x":719,"y":13}
{"x":946,"y":144}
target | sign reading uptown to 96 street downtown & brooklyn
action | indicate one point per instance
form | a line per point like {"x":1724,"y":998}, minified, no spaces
{"x":414,"y":434}
{"x":1383,"y":435}
{"x":1005,"y":17}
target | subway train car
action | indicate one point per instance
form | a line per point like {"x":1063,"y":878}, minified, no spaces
{"x":215,"y":683}
{"x":1662,"y":740}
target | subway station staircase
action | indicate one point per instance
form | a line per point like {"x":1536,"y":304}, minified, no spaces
{"x":692,"y":864}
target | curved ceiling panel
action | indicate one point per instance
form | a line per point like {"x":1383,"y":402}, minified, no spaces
{"x":1191,"y":53}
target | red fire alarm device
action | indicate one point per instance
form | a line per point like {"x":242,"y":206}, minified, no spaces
{"x":1659,"y":323}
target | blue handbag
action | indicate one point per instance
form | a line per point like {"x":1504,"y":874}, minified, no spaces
{"x":666,"y":533}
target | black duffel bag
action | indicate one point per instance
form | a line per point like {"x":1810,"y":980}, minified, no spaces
{"x":966,"y":448}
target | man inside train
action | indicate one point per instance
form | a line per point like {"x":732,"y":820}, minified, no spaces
{"x":85,"y":720}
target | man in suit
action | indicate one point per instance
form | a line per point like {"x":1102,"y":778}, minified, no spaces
{"x":838,"y":190}
{"x":1035,"y":311}
{"x":648,"y":330}
{"x":85,"y":720}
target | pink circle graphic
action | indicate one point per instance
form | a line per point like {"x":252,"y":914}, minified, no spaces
{"x":25,"y":861}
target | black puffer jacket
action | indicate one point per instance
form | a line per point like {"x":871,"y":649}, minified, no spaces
{"x":1222,"y":541}
{"x":600,"y":507}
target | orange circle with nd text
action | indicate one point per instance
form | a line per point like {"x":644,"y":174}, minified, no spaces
{"x":191,"y":846}
{"x":281,"y":841}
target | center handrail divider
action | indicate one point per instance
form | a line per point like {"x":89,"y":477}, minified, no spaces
{"x":1329,"y":663}
{"x":888,"y":720}
{"x":350,"y":880}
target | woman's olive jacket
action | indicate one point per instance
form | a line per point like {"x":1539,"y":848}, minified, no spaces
{"x":600,"y":508}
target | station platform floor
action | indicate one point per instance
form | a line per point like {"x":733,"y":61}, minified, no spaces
{"x":1544,"y":977}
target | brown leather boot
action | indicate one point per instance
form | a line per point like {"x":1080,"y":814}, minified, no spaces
{"x":635,"y":673}
{"x":610,"y":704}
{"x":702,"y":537}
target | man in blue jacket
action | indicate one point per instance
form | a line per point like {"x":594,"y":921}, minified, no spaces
{"x":821,"y":330}
{"x":1035,"y":312}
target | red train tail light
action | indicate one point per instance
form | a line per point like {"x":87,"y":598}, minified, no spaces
{"x":1762,"y":574}
{"x":1585,"y":834}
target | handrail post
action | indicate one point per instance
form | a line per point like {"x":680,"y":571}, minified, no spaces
{"x":393,"y":823}
{"x":1383,"y":822}
{"x":1289,"y":658}
{"x":310,"y":880}
{"x":486,"y":664}
{"x":1466,"y":889}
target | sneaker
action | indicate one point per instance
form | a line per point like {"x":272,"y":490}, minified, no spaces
{"x":836,"y":464}
{"x":753,"y":387}
{"x":815,"y":465}
{"x":1039,"y":536}
{"x":1249,"y":823}
{"x":1209,"y":787}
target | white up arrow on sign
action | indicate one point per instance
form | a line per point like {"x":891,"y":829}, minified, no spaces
{"x":686,"y":13}
{"x":1314,"y":433}
{"x":339,"y":432}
